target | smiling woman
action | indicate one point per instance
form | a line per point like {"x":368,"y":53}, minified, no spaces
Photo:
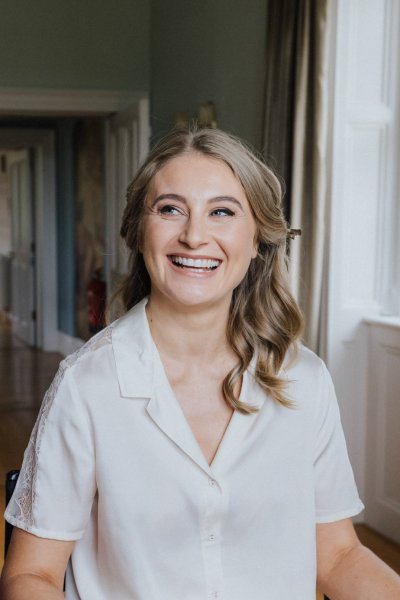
{"x":221,"y":430}
{"x":206,"y":195}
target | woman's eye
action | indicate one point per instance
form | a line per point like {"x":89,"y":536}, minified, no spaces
{"x":169,"y":210}
{"x":223,"y":212}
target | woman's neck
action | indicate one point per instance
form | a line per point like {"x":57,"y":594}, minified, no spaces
{"x":189,"y":333}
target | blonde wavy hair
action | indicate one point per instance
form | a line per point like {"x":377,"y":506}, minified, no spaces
{"x":264,"y":321}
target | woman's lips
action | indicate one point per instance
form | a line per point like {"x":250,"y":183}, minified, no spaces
{"x":200,"y":265}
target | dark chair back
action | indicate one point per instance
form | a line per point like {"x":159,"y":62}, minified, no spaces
{"x":11,"y":482}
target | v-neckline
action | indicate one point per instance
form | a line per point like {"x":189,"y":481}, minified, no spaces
{"x":167,"y":412}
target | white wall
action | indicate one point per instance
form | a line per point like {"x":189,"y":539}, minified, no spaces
{"x":382,"y":494}
{"x":362,"y":197}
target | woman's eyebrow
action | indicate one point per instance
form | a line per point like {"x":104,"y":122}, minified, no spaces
{"x":183,"y":199}
{"x":226,"y":199}
{"x":168,"y":197}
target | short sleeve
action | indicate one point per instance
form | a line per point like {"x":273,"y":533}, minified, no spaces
{"x":336,"y":495}
{"x":56,"y":485}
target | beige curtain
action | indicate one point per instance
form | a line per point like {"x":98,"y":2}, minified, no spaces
{"x":295,"y":139}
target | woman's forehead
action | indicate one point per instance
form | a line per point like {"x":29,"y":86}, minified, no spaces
{"x":196,"y":170}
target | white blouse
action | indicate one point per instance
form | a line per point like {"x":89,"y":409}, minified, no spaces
{"x":113,"y":464}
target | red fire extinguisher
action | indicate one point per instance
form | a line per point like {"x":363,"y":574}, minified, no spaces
{"x":96,"y":302}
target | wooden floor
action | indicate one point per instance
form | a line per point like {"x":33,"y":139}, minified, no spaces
{"x":25,"y":374}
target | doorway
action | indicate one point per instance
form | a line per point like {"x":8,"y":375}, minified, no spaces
{"x":126,"y":138}
{"x":31,"y":260}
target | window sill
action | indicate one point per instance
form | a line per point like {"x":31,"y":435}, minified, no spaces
{"x":391,"y":322}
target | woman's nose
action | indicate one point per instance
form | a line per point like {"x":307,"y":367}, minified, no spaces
{"x":194,"y":233}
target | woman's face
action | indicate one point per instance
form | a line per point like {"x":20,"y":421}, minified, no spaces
{"x":198,"y":234}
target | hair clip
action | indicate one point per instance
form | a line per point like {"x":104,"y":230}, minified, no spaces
{"x":293,"y":233}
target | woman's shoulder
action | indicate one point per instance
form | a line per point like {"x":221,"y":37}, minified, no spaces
{"x":86,"y":364}
{"x":128,"y":329}
{"x":93,"y":347}
{"x":305,"y":370}
{"x":120,"y":352}
{"x":308,"y":378}
{"x":303,"y":361}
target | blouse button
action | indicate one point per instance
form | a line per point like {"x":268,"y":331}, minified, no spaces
{"x":212,"y":481}
{"x":211,"y":538}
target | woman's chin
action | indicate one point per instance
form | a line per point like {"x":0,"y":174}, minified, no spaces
{"x":191,"y":300}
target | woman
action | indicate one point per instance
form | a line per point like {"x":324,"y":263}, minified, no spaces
{"x":193,"y":449}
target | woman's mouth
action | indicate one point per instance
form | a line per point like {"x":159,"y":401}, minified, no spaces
{"x":199,"y":264}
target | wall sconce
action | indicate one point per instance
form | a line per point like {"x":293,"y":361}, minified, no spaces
{"x":181,"y":120}
{"x":206,"y":117}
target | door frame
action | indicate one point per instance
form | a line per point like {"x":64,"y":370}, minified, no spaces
{"x":127,"y":140}
{"x":20,"y":166}
{"x":42,"y":143}
{"x":35,"y":102}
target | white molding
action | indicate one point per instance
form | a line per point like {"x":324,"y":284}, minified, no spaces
{"x":382,"y":444}
{"x":381,"y":321}
{"x":53,"y":102}
{"x":127,"y":136}
{"x":369,"y":115}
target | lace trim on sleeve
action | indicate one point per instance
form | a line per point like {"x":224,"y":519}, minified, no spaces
{"x":23,"y":500}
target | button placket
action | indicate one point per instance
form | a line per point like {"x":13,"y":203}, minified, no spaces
{"x":211,"y":536}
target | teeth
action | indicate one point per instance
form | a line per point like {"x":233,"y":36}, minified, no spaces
{"x":198,"y":263}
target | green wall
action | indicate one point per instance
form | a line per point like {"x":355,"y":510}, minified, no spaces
{"x":75,"y":44}
{"x":185,"y":52}
{"x":182,"y":58}
{"x":240,"y":40}
{"x":209,"y":50}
